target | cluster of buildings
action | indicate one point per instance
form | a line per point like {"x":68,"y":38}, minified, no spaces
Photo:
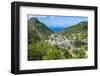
{"x":61,"y":41}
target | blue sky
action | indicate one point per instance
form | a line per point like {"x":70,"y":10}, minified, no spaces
{"x":58,"y":23}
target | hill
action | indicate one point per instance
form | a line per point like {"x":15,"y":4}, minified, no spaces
{"x":37,"y":30}
{"x":80,"y":28}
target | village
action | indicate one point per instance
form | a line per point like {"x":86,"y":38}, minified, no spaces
{"x":61,"y":41}
{"x":64,"y":43}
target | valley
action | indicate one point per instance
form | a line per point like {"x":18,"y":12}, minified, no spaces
{"x":45,"y":44}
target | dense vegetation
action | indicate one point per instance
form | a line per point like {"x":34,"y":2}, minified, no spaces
{"x":43,"y":44}
{"x":37,"y":30}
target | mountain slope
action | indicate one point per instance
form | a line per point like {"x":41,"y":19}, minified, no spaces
{"x":37,"y":30}
{"x":75,"y":29}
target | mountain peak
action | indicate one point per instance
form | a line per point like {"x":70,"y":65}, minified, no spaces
{"x":33,"y":19}
{"x":37,"y":30}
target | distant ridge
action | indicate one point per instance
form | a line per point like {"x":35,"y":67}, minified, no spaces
{"x":78,"y":28}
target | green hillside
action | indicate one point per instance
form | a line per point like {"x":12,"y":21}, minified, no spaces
{"x":43,"y":44}
{"x":37,"y":30}
{"x":80,"y":28}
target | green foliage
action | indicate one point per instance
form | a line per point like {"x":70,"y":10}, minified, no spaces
{"x":80,"y":53}
{"x":37,"y":30}
{"x":75,"y":30}
{"x":33,"y":54}
{"x":38,"y":48}
{"x":67,"y":54}
{"x":52,"y":54}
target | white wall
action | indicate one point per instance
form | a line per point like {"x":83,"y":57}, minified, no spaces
{"x":5,"y":27}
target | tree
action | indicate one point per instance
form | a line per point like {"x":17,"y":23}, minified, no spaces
{"x":36,"y":51}
{"x":67,"y":54}
{"x":52,"y":54}
{"x":80,"y":53}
